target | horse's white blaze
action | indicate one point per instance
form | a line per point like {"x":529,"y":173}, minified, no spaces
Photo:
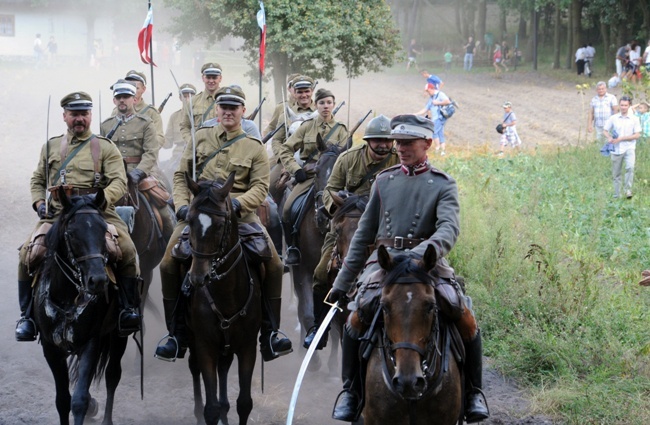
{"x":409,"y":297}
{"x":206,"y":222}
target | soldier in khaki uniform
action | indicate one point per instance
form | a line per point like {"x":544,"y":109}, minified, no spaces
{"x":304,"y":139}
{"x":135,"y":136}
{"x":248,"y":158}
{"x":279,"y":108}
{"x":173,"y":137}
{"x":408,"y":224}
{"x":80,"y":174}
{"x":203,"y":103}
{"x":354,"y":171}
{"x":143,"y":108}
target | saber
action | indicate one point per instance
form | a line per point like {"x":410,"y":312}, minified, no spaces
{"x":305,"y":362}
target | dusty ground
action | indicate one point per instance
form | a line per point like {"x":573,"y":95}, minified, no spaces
{"x":549,"y":112}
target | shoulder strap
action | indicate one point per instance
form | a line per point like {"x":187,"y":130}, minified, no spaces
{"x":205,"y":114}
{"x":64,"y":151}
{"x":374,"y":170}
{"x":213,"y":154}
{"x":327,"y":137}
{"x":144,"y":109}
{"x":95,"y":151}
{"x":118,"y":121}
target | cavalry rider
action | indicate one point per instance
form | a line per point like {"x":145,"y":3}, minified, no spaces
{"x":203,"y":103}
{"x":354,"y":171}
{"x":405,"y":223}
{"x":135,"y":136}
{"x":279,"y":108}
{"x":69,"y":166}
{"x":304,"y":139}
{"x":173,"y":137}
{"x":302,"y":88}
{"x":143,"y":108}
{"x":247,"y":156}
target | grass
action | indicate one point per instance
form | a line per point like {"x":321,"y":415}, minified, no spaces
{"x":553,"y":261}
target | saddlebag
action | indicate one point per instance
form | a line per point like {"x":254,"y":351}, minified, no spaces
{"x":154,"y":192}
{"x":182,"y":250}
{"x":255,"y":243}
{"x":112,"y":247}
{"x":36,"y":250}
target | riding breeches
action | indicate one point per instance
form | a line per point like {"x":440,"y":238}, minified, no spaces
{"x":297,"y":190}
{"x":321,"y":280}
{"x":274,"y":177}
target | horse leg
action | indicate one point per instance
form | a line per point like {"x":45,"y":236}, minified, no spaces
{"x":246,"y":366}
{"x":87,"y":358}
{"x":113,"y":374}
{"x":222,"y":372}
{"x":208,"y":366}
{"x":196,"y":386}
{"x":56,"y":359}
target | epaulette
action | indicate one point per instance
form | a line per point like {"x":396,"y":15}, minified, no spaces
{"x":212,"y":122}
{"x":254,"y":138}
{"x":55,"y":137}
{"x":389,"y":169}
{"x":109,"y":118}
{"x":355,"y":148}
{"x":434,"y":170}
{"x":143,"y":117}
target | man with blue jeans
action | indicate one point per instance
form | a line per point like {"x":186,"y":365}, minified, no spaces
{"x":432,"y":109}
{"x":470,"y":48}
{"x":623,"y":130}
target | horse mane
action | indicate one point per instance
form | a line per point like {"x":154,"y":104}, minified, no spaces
{"x":351,"y":202}
{"x":55,"y":235}
{"x":404,"y":267}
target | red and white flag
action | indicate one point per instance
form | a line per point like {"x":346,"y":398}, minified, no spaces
{"x":261,"y":22}
{"x":144,"y":38}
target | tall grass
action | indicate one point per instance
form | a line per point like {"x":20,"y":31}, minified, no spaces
{"x":552,"y":262}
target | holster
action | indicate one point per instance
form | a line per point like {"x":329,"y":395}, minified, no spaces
{"x":254,"y":242}
{"x":151,"y":188}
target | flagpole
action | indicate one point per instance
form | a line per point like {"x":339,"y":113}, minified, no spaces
{"x":261,"y":22}
{"x":153,"y":91}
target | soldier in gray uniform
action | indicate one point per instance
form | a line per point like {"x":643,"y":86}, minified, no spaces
{"x":402,"y":222}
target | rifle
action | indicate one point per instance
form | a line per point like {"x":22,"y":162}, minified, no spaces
{"x":272,"y":133}
{"x":356,"y":127}
{"x":256,"y":111}
{"x":192,"y":129}
{"x":337,"y":108}
{"x":162,"y":105}
{"x":47,"y":157}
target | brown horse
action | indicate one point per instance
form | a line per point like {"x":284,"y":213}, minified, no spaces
{"x":412,"y":377}
{"x":224,"y":312}
{"x":75,"y":309}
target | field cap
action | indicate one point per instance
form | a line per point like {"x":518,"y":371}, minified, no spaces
{"x":406,"y":127}
{"x":290,"y":79}
{"x":323,"y":93}
{"x":211,"y":68}
{"x":77,"y":101}
{"x":187,"y":88}
{"x":134,"y":75}
{"x":123,"y":87}
{"x":507,"y":105}
{"x":231,"y":95}
{"x":303,"y":82}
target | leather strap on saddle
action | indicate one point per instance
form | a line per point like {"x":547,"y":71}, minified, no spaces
{"x":132,"y":159}
{"x":399,"y":242}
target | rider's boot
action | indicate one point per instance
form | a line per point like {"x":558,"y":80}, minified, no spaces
{"x":348,"y":402}
{"x":292,"y":258}
{"x":25,"y":328}
{"x":476,"y":409}
{"x":129,"y":320}
{"x":320,"y":311}
{"x":176,"y":344}
{"x":272,"y":346}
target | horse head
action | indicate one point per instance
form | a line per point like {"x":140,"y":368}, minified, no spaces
{"x":410,"y":311}
{"x":213,"y":227}
{"x":77,"y":241}
{"x":344,"y":222}
{"x":323,"y":170}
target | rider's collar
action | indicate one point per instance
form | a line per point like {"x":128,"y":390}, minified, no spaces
{"x":414,"y":170}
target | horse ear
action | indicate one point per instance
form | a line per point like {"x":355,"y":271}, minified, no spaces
{"x":429,"y":259}
{"x":191,"y":184}
{"x":338,"y":201}
{"x":230,"y":181}
{"x":384,"y":259}
{"x":63,"y":197}
{"x":320,"y":143}
{"x":100,"y":200}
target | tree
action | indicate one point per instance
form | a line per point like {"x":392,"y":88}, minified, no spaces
{"x":307,"y":37}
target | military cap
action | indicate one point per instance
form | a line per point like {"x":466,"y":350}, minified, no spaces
{"x":322,"y":93}
{"x":77,"y":101}
{"x":211,"y":68}
{"x":187,"y":88}
{"x":290,"y":79}
{"x":230,"y":95}
{"x":123,"y":87}
{"x":406,"y":127}
{"x":303,"y":82}
{"x":134,"y":75}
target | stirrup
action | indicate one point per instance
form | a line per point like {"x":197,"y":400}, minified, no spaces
{"x":179,"y":350}
{"x":271,"y":354}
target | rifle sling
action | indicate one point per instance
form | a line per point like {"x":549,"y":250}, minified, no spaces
{"x":95,"y":151}
{"x":213,"y":154}
{"x":327,"y":137}
{"x":373,"y":171}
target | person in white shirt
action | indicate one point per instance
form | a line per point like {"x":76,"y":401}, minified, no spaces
{"x":580,"y":59}
{"x":646,"y":57}
{"x":590,"y":53}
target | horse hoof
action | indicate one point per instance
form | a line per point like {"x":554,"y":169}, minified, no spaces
{"x":93,"y":408}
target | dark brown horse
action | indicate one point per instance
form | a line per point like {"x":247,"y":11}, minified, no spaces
{"x":412,"y":377}
{"x":225,"y":309}
{"x":75,"y":309}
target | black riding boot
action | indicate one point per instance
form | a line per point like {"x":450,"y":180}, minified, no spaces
{"x":129,"y":318}
{"x":476,"y":409}
{"x":348,"y":402}
{"x":271,"y":346}
{"x":25,"y":328}
{"x":292,"y":258}
{"x":320,"y":311}
{"x":176,"y":344}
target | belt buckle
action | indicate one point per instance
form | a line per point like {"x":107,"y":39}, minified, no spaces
{"x":398,"y":242}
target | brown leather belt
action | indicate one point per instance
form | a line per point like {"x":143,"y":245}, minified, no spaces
{"x":399,"y":242}
{"x":71,"y":191}
{"x":81,"y":192}
{"x":132,"y":159}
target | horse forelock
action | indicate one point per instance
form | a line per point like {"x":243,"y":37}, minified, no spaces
{"x":405,"y":266}
{"x":351,"y":203}
{"x":55,"y":235}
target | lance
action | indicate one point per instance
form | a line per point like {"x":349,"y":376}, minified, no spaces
{"x":192,"y":129}
{"x":47,"y":158}
{"x":164,"y":102}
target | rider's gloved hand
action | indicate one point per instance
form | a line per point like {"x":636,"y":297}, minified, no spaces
{"x":181,"y":214}
{"x":236,"y":206}
{"x":136,"y":175}
{"x":42,"y":212}
{"x":337,"y":295}
{"x":300,"y":176}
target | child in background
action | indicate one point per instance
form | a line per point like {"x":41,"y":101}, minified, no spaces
{"x":448,"y":57}
{"x":510,"y":135}
{"x":642,"y":110}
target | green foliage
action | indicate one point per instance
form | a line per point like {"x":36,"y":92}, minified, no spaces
{"x":552,"y":261}
{"x":307,"y":36}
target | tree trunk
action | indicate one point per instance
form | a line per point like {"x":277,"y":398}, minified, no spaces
{"x":569,"y":41}
{"x":412,"y":20}
{"x":645,"y":10}
{"x":459,"y":21}
{"x":482,"y":20}
{"x":470,"y":17}
{"x":576,"y":25}
{"x":522,"y":26}
{"x":503,"y":27}
{"x":557,"y":43}
{"x":279,"y":70}
{"x":605,"y":31}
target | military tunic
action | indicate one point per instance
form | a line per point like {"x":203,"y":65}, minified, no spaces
{"x":348,"y":172}
{"x":394,"y":211}
{"x":173,"y":136}
{"x":80,"y":173}
{"x":275,"y":118}
{"x":281,"y":136}
{"x":202,"y":110}
{"x":150,"y":111}
{"x":137,"y":141}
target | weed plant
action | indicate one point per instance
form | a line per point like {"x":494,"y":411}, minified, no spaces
{"x":552,"y":261}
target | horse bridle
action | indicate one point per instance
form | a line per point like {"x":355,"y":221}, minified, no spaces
{"x":322,"y":222}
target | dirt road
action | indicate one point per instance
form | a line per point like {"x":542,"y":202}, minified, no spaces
{"x":549,"y":113}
